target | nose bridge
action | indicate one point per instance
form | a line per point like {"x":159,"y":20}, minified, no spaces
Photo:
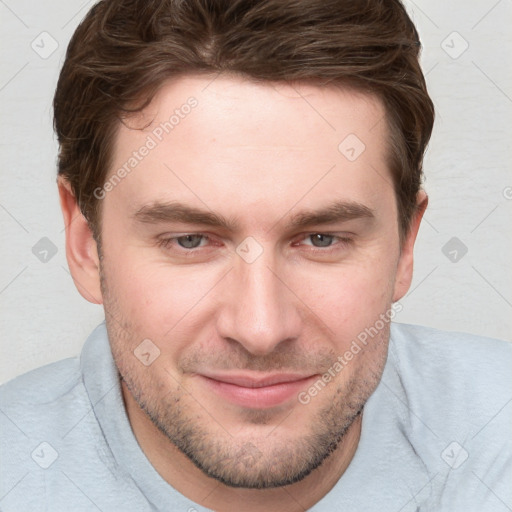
{"x":260,"y":312}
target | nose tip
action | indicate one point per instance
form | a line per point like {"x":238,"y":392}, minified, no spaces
{"x":259,"y":312}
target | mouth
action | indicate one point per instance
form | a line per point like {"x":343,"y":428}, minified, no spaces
{"x":256,"y":390}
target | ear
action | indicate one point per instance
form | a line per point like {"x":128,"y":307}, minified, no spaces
{"x":81,"y":248}
{"x":405,"y":263}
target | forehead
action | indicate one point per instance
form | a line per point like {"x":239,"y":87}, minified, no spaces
{"x":226,"y":103}
{"x":230,"y":143}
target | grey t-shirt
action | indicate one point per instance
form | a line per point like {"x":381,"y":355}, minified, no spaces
{"x":436,"y":435}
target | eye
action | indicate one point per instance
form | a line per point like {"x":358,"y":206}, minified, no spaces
{"x":321,"y":239}
{"x":184,"y":242}
{"x":325,"y":241}
{"x":190,"y":241}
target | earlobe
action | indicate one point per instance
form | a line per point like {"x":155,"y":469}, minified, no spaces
{"x":81,"y":248}
{"x":405,"y":263}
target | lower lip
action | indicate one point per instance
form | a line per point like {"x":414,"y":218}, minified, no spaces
{"x":258,"y":398}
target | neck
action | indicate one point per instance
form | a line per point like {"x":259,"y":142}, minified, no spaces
{"x":177,"y":470}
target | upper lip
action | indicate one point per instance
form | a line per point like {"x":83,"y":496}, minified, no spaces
{"x":256,"y":379}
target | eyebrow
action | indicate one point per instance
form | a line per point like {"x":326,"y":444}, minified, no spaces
{"x":339,"y":211}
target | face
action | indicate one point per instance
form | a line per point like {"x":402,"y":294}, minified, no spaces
{"x":247,"y":248}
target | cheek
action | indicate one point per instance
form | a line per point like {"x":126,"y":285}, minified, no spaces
{"x":154,"y":296}
{"x":351,"y":299}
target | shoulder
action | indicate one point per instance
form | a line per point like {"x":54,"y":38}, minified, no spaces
{"x":455,"y":390}
{"x":36,"y":409}
{"x":47,"y":399}
{"x":52,"y":383}
{"x":44,"y":384}
{"x":453,"y":358}
{"x":428,"y":336}
{"x":451,"y":375}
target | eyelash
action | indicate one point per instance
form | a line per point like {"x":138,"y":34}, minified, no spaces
{"x":343,"y":242}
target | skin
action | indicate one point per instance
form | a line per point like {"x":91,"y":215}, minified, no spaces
{"x":259,"y":154}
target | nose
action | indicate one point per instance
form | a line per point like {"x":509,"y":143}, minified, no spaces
{"x":259,"y":310}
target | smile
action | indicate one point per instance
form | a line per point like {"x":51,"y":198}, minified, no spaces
{"x":257,"y":392}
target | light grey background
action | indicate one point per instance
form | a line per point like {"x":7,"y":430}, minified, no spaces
{"x":466,"y":58}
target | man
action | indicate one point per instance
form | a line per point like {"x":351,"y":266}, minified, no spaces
{"x":241,"y":189}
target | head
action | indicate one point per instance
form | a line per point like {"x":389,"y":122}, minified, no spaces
{"x":241,"y":184}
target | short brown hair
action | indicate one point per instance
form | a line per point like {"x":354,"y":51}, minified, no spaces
{"x":124,"y":50}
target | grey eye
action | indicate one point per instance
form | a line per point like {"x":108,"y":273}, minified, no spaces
{"x":320,"y":240}
{"x":189,"y":241}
